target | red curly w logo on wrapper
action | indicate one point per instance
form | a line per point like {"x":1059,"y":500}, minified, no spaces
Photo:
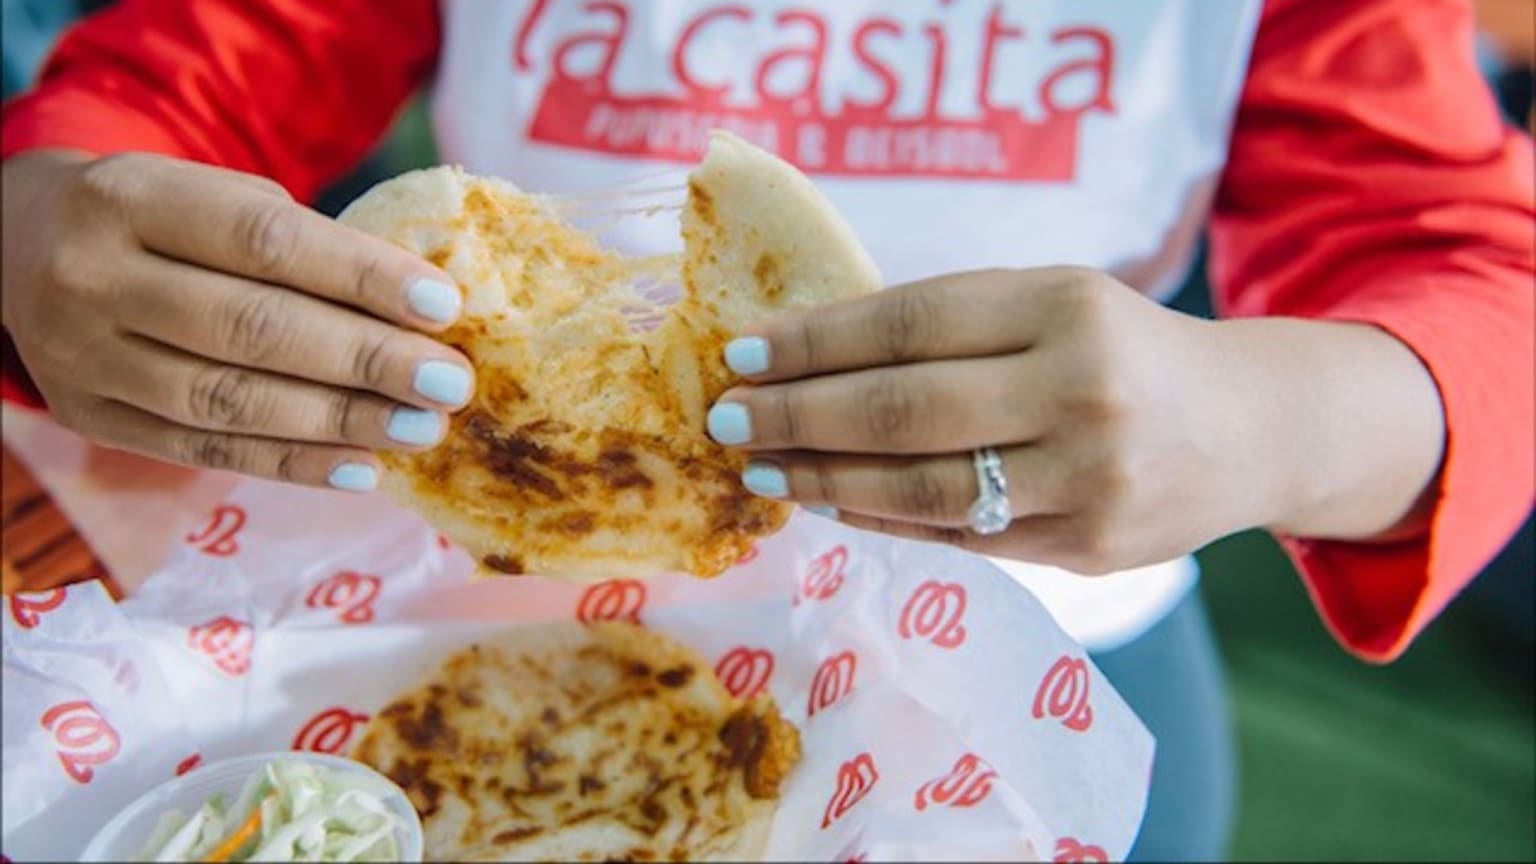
{"x":745,"y":672}
{"x":1063,"y":694}
{"x":832,"y":681}
{"x":619,"y":600}
{"x":934,"y":612}
{"x":219,"y":536}
{"x":351,"y":594}
{"x":83,"y":738}
{"x":1070,"y":850}
{"x":966,"y":785}
{"x":227,"y":642}
{"x":824,"y":575}
{"x":27,"y":611}
{"x":329,"y":731}
{"x":854,"y":780}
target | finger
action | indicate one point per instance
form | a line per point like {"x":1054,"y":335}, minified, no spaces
{"x":962,"y":315}
{"x":258,"y":326}
{"x":1042,"y":539}
{"x":191,"y":391}
{"x":244,"y":229}
{"x":932,"y":491}
{"x":265,"y":185}
{"x":325,"y":465}
{"x":941,"y":407}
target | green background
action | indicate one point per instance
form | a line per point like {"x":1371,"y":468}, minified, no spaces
{"x":1431,"y":758}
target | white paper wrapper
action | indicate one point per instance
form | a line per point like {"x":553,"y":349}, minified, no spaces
{"x":944,"y":714}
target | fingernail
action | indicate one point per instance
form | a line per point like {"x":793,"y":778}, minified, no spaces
{"x":414,"y":426}
{"x":765,"y":479}
{"x":729,"y":423}
{"x":747,"y":356}
{"x":824,"y":512}
{"x":354,"y":477}
{"x":434,"y":300}
{"x":447,"y":383}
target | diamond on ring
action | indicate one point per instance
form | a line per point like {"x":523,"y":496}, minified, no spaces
{"x":991,"y":514}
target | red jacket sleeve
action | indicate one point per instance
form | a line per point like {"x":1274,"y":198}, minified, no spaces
{"x":294,"y":90}
{"x":1371,"y":179}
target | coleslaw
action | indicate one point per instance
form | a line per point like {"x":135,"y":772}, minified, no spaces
{"x":288,"y":811}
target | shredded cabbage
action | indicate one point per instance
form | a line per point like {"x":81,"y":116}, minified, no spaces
{"x":307,"y":813}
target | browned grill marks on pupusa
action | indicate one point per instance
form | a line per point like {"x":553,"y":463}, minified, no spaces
{"x":514,"y":459}
{"x":769,"y":275}
{"x":677,"y":676}
{"x":554,"y":473}
{"x":430,"y":732}
{"x":574,"y":523}
{"x":407,"y":773}
{"x":513,"y":798}
{"x":546,"y":426}
{"x":411,"y":776}
{"x":694,"y":469}
{"x":650,"y":807}
{"x":535,"y":759}
{"x":584,"y":816}
{"x":508,"y":564}
{"x":748,"y":737}
{"x":540,"y":475}
{"x":500,"y":391}
{"x":431,"y":796}
{"x":463,"y":785}
{"x":618,"y":470}
{"x":702,"y":203}
{"x":515,"y":834}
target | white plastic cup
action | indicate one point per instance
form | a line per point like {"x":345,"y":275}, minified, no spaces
{"x":127,"y":833}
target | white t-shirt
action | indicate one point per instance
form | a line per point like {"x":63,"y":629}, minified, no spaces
{"x":952,"y":134}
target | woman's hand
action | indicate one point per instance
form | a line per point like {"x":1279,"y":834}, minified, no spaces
{"x":199,"y":315}
{"x":1129,"y":433}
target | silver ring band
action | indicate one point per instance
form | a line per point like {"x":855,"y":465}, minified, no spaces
{"x":991,"y":513}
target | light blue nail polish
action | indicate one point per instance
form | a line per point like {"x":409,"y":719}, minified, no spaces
{"x":747,"y":356}
{"x":729,"y":424}
{"x":414,"y":426}
{"x":447,"y":383}
{"x":434,"y":300}
{"x":765,"y":479}
{"x":824,"y":512}
{"x":354,"y":477}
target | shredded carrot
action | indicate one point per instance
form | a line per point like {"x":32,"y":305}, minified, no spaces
{"x":232,"y":844}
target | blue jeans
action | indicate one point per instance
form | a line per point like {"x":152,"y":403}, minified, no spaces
{"x":1171,"y":676}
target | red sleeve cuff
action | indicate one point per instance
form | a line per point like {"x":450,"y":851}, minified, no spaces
{"x":1475,"y":337}
{"x":80,"y":120}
